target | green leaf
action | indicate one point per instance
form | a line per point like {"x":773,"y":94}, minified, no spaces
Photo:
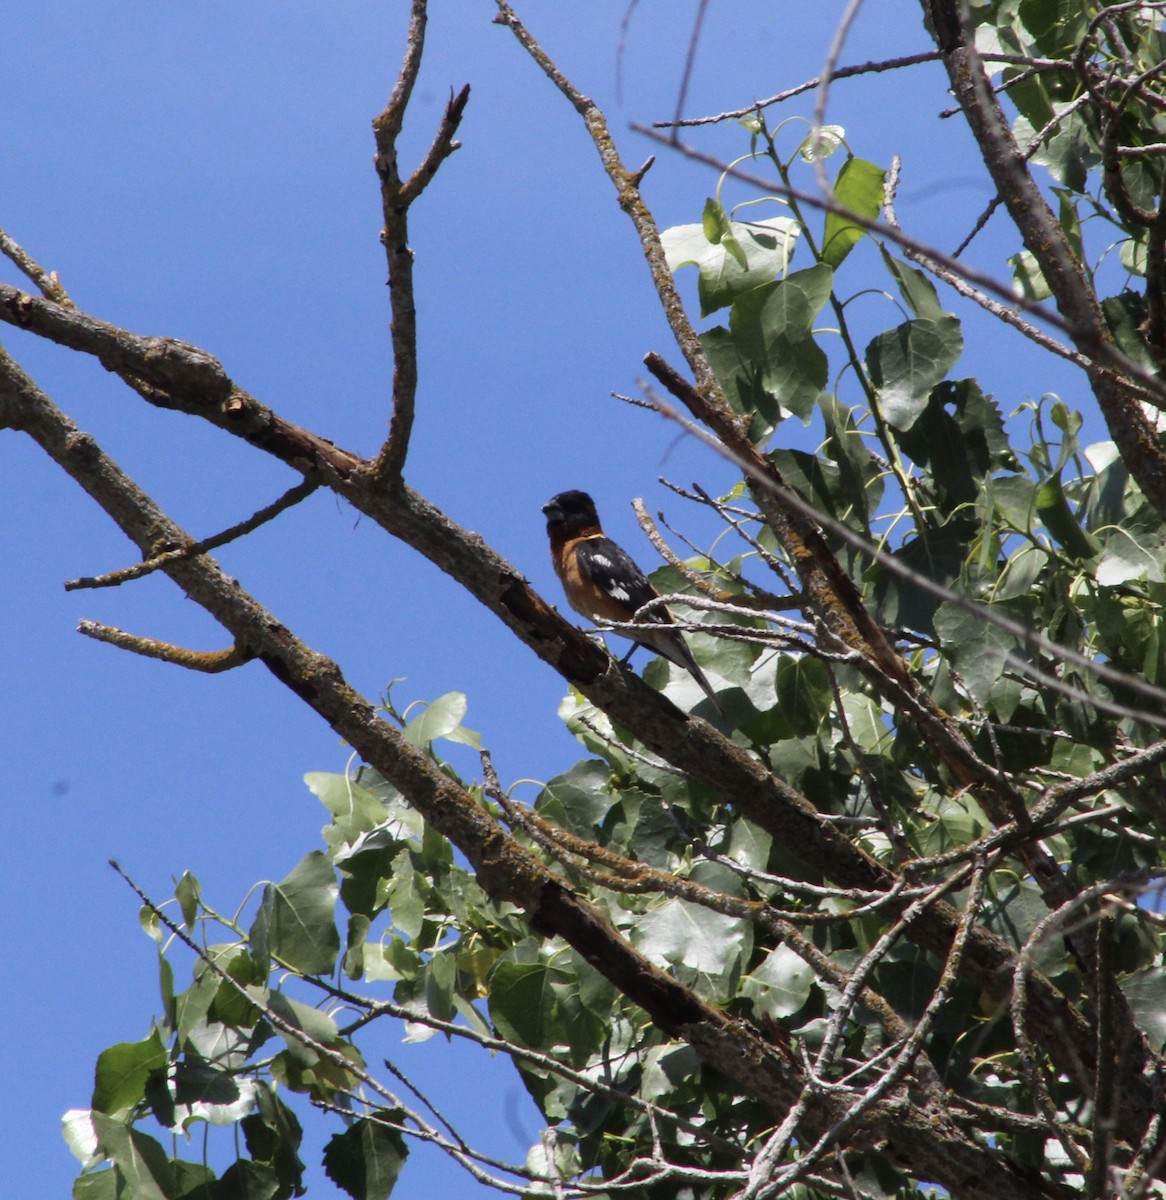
{"x":974,"y":647}
{"x":765,"y":246}
{"x":366,"y":1159}
{"x":357,"y":810}
{"x":192,"y":1180}
{"x":140,"y":1159}
{"x":917,"y":290}
{"x":1134,"y":255}
{"x":186,"y":893}
{"x":785,"y":309}
{"x":958,"y":447}
{"x":440,"y":981}
{"x":166,"y":986}
{"x":957,"y":821}
{"x":1130,"y":554}
{"x":1057,"y":26}
{"x":316,"y":1026}
{"x":714,"y":221}
{"x":750,"y":845}
{"x":358,"y":927}
{"x":198,"y":1090}
{"x":594,"y":729}
{"x":803,"y":691}
{"x":122,"y":1071}
{"x":905,"y":363}
{"x":273,"y":1135}
{"x":771,"y":330}
{"x":442,"y":718}
{"x":741,"y":382}
{"x":246,"y":1180}
{"x":148,"y":919}
{"x":820,"y":143}
{"x":523,"y":1004}
{"x":1146,"y":991}
{"x":780,"y":985}
{"x":303,"y":1069}
{"x":860,"y":475}
{"x":106,"y":1184}
{"x":1053,"y":510}
{"x":580,"y":799}
{"x":816,"y":480}
{"x":1125,"y":315}
{"x":1027,"y":280}
{"x":680,"y":933}
{"x":937,"y":554}
{"x":297,"y":918}
{"x":858,"y":188}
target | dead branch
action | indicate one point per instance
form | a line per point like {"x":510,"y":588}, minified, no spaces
{"x":269,"y":512}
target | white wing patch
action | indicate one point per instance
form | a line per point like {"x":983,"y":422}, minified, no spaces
{"x":611,"y":568}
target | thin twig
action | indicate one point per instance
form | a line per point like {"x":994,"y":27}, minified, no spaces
{"x":292,"y":496}
{"x":47,"y":281}
{"x":690,"y":57}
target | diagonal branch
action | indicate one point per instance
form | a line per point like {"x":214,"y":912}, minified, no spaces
{"x":269,"y":512}
{"x":1046,"y":241}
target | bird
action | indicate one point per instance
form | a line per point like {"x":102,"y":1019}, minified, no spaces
{"x":603,"y":583}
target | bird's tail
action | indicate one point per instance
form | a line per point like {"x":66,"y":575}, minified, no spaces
{"x":671,"y":644}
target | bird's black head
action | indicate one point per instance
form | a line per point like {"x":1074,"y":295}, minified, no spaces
{"x":571,"y":512}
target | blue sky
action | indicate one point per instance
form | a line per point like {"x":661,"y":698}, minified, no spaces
{"x":205,"y":171}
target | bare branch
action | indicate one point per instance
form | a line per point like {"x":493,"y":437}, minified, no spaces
{"x":291,"y":497}
{"x":210,"y":662}
{"x":891,"y":64}
{"x":46,"y":281}
{"x":397,"y":195}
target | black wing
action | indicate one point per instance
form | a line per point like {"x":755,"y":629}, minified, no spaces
{"x":612,"y":569}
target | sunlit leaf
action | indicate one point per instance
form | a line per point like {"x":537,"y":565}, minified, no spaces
{"x":780,"y":985}
{"x":122,"y":1071}
{"x":821,"y":143}
{"x":442,"y":718}
{"x":766,"y":246}
{"x":140,"y":1160}
{"x":859,"y":190}
{"x":679,"y":932}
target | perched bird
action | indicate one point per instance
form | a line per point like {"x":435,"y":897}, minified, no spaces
{"x":604,"y":584}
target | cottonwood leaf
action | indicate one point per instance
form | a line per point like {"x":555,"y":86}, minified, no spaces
{"x":366,"y":1159}
{"x":906,"y":362}
{"x":297,"y":918}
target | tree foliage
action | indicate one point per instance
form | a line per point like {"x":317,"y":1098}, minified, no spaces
{"x":889,"y":922}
